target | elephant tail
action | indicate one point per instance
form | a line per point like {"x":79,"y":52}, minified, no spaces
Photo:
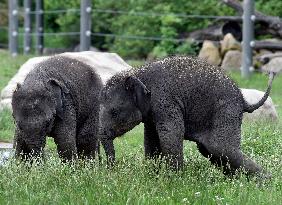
{"x":250,"y":108}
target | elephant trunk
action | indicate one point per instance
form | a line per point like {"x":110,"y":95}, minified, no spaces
{"x":35,"y":146}
{"x":108,"y":145}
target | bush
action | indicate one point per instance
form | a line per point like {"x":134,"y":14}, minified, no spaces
{"x":165,"y":26}
{"x":3,"y":22}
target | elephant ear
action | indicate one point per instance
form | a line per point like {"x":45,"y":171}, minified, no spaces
{"x":17,"y":87}
{"x":59,"y":91}
{"x":141,"y":95}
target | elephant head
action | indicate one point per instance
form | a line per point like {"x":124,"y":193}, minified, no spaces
{"x":35,"y":107}
{"x":125,"y":102}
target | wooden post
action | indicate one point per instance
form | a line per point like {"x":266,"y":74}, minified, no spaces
{"x":248,"y":37}
{"x":13,"y":27}
{"x":39,"y":26}
{"x":85,"y":25}
{"x":27,"y":26}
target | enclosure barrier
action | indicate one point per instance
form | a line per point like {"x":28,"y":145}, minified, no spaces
{"x":39,"y":26}
{"x":13,"y":27}
{"x":85,"y":27}
{"x":248,"y":37}
{"x":27,"y":26}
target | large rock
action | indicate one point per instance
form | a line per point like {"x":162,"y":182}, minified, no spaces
{"x":274,"y":65}
{"x":106,"y":64}
{"x":266,"y":112}
{"x":229,"y":43}
{"x":232,"y":60}
{"x":210,"y":53}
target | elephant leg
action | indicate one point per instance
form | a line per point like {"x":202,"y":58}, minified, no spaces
{"x":28,"y":147}
{"x":171,"y":135}
{"x":232,"y":160}
{"x":21,"y":149}
{"x":66,"y":144}
{"x":64,"y":133}
{"x":87,"y":141}
{"x":213,"y":159}
{"x":223,"y":144}
{"x":151,"y":141}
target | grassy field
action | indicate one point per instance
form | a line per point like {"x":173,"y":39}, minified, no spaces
{"x":133,"y":180}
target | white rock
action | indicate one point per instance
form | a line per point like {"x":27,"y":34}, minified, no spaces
{"x":105,"y":65}
{"x":267,"y":111}
{"x":228,"y":43}
{"x":5,"y":156}
{"x":274,"y":65}
{"x":6,"y":103}
{"x":210,"y":53}
{"x":232,"y":60}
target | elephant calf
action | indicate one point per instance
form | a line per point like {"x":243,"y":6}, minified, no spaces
{"x":58,"y":98}
{"x":178,"y":98}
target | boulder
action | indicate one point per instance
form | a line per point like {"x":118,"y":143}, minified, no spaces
{"x":264,"y":52}
{"x":266,"y":112}
{"x":274,"y":65}
{"x":106,"y":64}
{"x":229,"y":43}
{"x":232,"y":60}
{"x":210,"y":53}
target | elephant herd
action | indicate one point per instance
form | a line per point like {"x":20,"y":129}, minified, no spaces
{"x":177,"y":98}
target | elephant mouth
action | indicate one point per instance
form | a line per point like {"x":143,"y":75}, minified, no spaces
{"x":107,"y":134}
{"x":49,"y":125}
{"x":114,"y":132}
{"x":120,"y":132}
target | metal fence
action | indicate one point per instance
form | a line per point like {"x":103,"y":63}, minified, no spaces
{"x":85,"y":33}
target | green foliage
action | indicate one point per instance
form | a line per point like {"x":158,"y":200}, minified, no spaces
{"x":6,"y":126}
{"x":64,"y":22}
{"x":3,"y":37}
{"x":272,"y":7}
{"x":165,"y":26}
{"x":3,"y":22}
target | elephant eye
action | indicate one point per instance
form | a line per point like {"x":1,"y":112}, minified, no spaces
{"x":114,"y":113}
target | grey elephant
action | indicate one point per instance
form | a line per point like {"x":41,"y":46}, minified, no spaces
{"x":58,"y":98}
{"x":179,"y":98}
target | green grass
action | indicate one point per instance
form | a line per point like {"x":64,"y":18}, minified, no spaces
{"x":135,"y":181}
{"x":6,"y":126}
{"x":9,"y":66}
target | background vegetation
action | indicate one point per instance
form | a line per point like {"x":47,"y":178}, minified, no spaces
{"x":169,"y":26}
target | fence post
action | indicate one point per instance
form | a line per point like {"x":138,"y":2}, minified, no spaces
{"x":27,"y":26}
{"x":13,"y":27}
{"x":248,"y":37}
{"x":39,"y":26}
{"x":85,"y":25}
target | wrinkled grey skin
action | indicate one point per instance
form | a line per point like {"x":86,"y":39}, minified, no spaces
{"x":59,"y":98}
{"x":178,"y":98}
